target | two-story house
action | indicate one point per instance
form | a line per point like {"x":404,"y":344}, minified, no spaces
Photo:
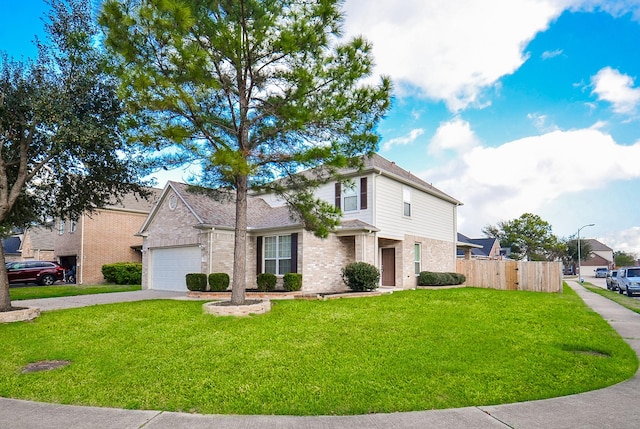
{"x":391,"y":219}
{"x":106,"y":236}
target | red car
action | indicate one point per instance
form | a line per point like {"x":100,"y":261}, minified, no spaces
{"x":43,"y":273}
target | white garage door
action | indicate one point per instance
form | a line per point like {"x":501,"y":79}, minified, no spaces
{"x":169,"y":267}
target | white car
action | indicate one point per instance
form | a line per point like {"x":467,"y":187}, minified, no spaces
{"x":601,"y":272}
{"x":629,"y":280}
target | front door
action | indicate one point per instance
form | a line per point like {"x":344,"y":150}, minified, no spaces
{"x":389,"y":267}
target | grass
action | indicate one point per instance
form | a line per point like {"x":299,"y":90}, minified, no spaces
{"x":624,"y":300}
{"x":412,"y":350}
{"x":36,"y":292}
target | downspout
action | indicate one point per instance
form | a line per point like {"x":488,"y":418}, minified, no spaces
{"x":211,"y":250}
{"x":374,"y":218}
{"x":79,"y":273}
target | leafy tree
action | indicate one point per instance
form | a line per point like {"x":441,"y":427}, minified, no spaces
{"x":252,"y":91}
{"x":570,"y":257}
{"x":60,"y":153}
{"x":623,"y":259}
{"x":529,"y":237}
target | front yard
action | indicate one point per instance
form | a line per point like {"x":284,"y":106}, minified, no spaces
{"x":412,"y":350}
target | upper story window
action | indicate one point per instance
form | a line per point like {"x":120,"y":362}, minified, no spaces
{"x":349,"y":196}
{"x":72,"y":226}
{"x":61,"y":227}
{"x":352,"y":195}
{"x":406,"y":201}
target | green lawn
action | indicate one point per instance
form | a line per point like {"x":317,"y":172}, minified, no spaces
{"x":412,"y":350}
{"x":624,"y":300}
{"x":35,"y":292}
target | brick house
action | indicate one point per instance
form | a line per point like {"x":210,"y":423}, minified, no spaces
{"x":601,"y":256}
{"x":391,"y":219}
{"x":102,"y":237}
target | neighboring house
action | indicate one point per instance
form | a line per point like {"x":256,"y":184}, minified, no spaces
{"x":601,"y":256}
{"x":102,"y":237}
{"x":38,"y":244}
{"x":11,"y":248}
{"x":478,"y":248}
{"x":391,"y":219}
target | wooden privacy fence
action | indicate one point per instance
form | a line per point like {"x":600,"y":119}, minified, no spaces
{"x":511,"y":275}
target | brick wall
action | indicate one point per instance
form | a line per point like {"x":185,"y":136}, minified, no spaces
{"x":108,"y":238}
{"x":322,"y":261}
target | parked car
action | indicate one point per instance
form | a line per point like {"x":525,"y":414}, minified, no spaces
{"x":612,"y":280}
{"x":43,"y":273}
{"x":601,"y":272}
{"x":629,"y":280}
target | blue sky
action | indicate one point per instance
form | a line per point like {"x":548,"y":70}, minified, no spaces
{"x":510,"y":106}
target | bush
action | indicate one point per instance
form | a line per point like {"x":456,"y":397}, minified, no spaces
{"x":218,"y":282}
{"x":292,"y":282}
{"x":428,"y":278}
{"x":196,"y":282}
{"x":267,"y":282}
{"x":360,"y":276}
{"x":123,"y":273}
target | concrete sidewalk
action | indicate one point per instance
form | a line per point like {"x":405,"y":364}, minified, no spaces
{"x":612,"y":407}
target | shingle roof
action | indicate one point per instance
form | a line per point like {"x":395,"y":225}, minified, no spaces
{"x":486,"y":243}
{"x":596,"y":246}
{"x":11,"y":245}
{"x":220,"y":210}
{"x":42,"y":237}
{"x":135,"y":203}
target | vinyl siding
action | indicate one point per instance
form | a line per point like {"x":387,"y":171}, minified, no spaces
{"x":431,"y":217}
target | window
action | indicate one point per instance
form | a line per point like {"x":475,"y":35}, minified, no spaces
{"x":61,"y":227}
{"x":417,"y":258}
{"x":72,"y":226}
{"x":277,"y":254}
{"x":349,"y":196}
{"x":406,"y":199}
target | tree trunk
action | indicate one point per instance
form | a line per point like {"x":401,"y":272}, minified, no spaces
{"x":239,"y":284}
{"x":5,"y":298}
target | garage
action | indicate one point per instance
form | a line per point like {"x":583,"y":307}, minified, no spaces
{"x":168,"y":267}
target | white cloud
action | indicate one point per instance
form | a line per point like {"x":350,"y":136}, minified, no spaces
{"x":404,"y":140}
{"x":627,"y":241}
{"x":450,"y":51}
{"x":456,"y":135}
{"x":616,"y":88}
{"x":541,"y":122}
{"x":551,"y":54}
{"x":524,"y":175}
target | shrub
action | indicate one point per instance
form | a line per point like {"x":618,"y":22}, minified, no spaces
{"x":292,"y":282}
{"x":196,"y":282}
{"x":218,"y":282}
{"x":360,"y":276}
{"x":267,"y":282}
{"x":123,"y":273}
{"x":428,"y":278}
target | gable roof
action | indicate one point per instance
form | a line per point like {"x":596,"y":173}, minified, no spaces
{"x":596,"y":246}
{"x":381,"y":165}
{"x":11,"y":245}
{"x":482,"y":246}
{"x":211,"y":210}
{"x":42,"y":237}
{"x":131,"y":202}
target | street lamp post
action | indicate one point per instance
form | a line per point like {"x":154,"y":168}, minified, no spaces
{"x":580,"y":279}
